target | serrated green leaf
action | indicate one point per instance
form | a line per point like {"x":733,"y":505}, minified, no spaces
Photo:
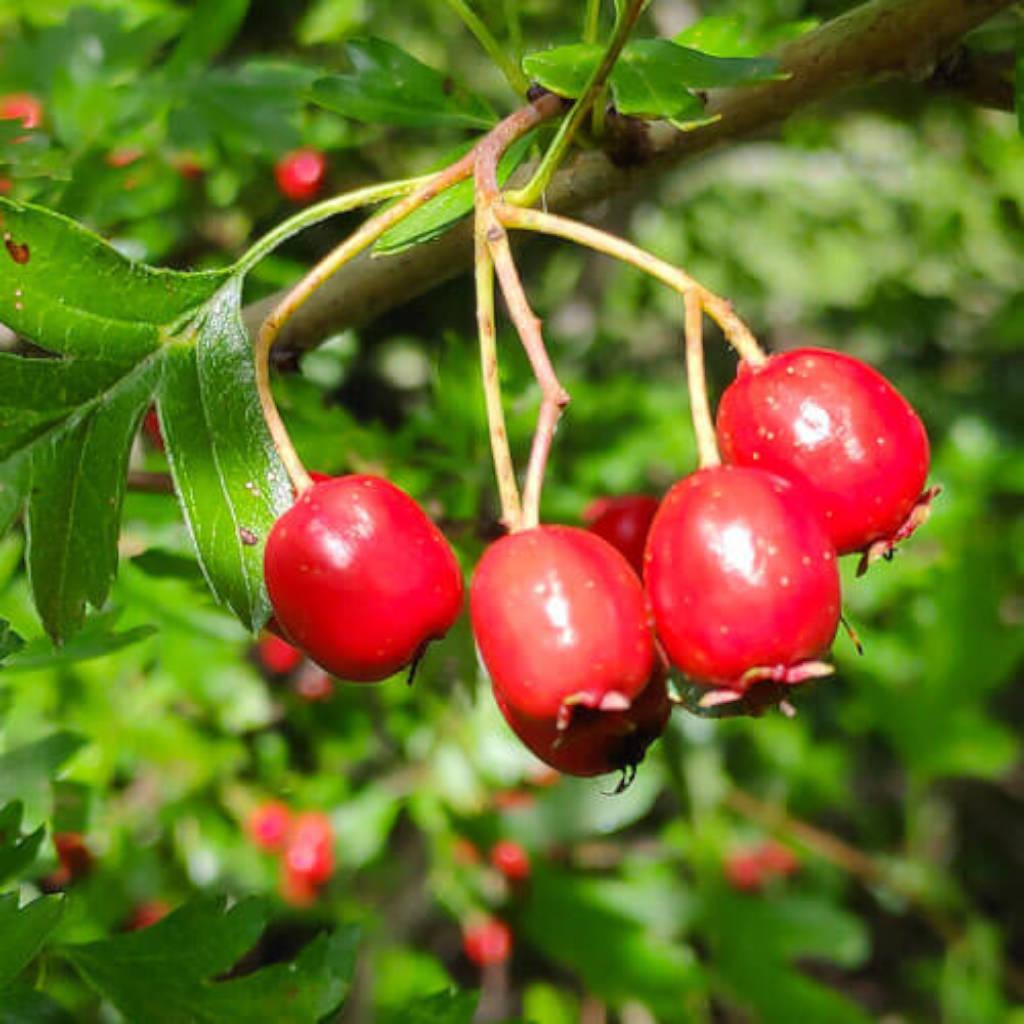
{"x":388,"y":86}
{"x":211,"y":27}
{"x":70,"y":292}
{"x":229,"y":479}
{"x":23,"y":932}
{"x":74,"y":510}
{"x":436,"y":217}
{"x":26,"y":770}
{"x":164,"y":974}
{"x":17,"y":850}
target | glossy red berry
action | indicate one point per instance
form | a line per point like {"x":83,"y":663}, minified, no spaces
{"x":561,"y":623}
{"x":596,"y":742}
{"x":834,"y":424}
{"x":277,"y":656}
{"x":269,"y":824}
{"x":487,"y":942}
{"x":623,"y":522}
{"x":300,"y":174}
{"x":360,"y":578}
{"x":742,"y":579}
{"x":21,"y":107}
{"x":511,"y":860}
{"x":309,"y":853}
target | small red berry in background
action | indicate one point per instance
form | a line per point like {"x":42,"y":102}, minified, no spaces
{"x":309,"y":853}
{"x":464,"y":853}
{"x":624,"y":522}
{"x":188,"y":166}
{"x":313,"y":684}
{"x":22,"y":107}
{"x":151,"y":428}
{"x":487,"y":942}
{"x":75,"y":858}
{"x":147,"y":914}
{"x":300,"y":174}
{"x":124,"y":157}
{"x":511,"y":860}
{"x":278,"y":656}
{"x":5,"y":186}
{"x":513,"y":799}
{"x":268,"y":825}
{"x":750,"y":869}
{"x":837,"y":426}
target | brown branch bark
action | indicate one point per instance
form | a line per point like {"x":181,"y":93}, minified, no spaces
{"x":882,"y":38}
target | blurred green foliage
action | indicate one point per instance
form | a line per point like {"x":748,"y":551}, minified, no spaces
{"x":889,"y":224}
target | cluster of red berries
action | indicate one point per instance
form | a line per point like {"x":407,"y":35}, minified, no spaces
{"x":304,"y":842}
{"x":732,"y":578}
{"x":752,"y":868}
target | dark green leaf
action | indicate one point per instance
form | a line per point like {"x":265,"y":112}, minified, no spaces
{"x":437,"y":216}
{"x":1019,"y":92}
{"x":211,"y":27}
{"x":230,"y":481}
{"x":17,"y":850}
{"x":22,"y":1004}
{"x":23,"y":932}
{"x":10,"y":642}
{"x":164,"y":974}
{"x":441,"y":1008}
{"x":168,"y":565}
{"x":71,"y":292}
{"x":388,"y":86}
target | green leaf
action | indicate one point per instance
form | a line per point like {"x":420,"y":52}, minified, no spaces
{"x":388,"y":86}
{"x":23,"y":932}
{"x":211,"y":27}
{"x":441,"y":1008}
{"x":17,"y":850}
{"x":97,"y":639}
{"x":436,"y":217}
{"x":229,"y":479}
{"x":22,"y":1004}
{"x":652,"y":77}
{"x":27,"y":770}
{"x":730,"y":35}
{"x":164,"y":974}
{"x":10,"y":642}
{"x":70,"y":292}
{"x":327,"y":21}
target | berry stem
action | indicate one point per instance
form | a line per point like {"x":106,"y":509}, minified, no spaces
{"x":504,"y":468}
{"x":592,"y":21}
{"x":700,"y":410}
{"x":534,"y":188}
{"x":509,"y":68}
{"x":720,"y":310}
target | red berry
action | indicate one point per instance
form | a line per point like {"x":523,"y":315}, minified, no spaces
{"x":147,"y":914}
{"x":309,"y":853}
{"x":75,"y":858}
{"x":6,"y":185}
{"x":487,"y":942}
{"x":511,"y":860}
{"x":778,"y":860}
{"x":513,"y":799}
{"x":624,"y":523}
{"x":313,"y":684}
{"x":300,"y":174}
{"x":278,"y":656}
{"x":296,"y":889}
{"x":269,"y":824}
{"x":360,"y":578}
{"x":597,"y":742}
{"x":561,"y":623}
{"x":742,"y":579}
{"x":151,"y":428}
{"x":744,"y":871}
{"x":838,"y":426}
{"x":124,"y":157}
{"x":22,"y":107}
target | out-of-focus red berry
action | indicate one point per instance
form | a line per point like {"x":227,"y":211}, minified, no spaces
{"x":313,"y":684}
{"x":147,"y":914}
{"x":23,"y":107}
{"x":268,"y":825}
{"x":544,"y":777}
{"x":300,"y":174}
{"x":778,"y":860}
{"x":278,"y":656}
{"x":513,"y":799}
{"x":487,"y":942}
{"x":511,"y":860}
{"x":75,"y":858}
{"x":5,"y":186}
{"x":188,"y":166}
{"x":151,"y":428}
{"x":296,"y":889}
{"x":750,"y":869}
{"x":465,"y":853}
{"x":124,"y":157}
{"x":309,"y":853}
{"x":744,"y":871}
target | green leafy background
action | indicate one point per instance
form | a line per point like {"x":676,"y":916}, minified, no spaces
{"x":887,"y":224}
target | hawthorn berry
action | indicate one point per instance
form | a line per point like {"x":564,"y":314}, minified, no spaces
{"x":268,"y":825}
{"x":749,"y":870}
{"x":309,"y":851}
{"x":300,"y":174}
{"x":360,"y":578}
{"x":296,"y":889}
{"x":277,"y":656}
{"x":511,"y":860}
{"x":561,"y":623}
{"x":836,"y":425}
{"x":23,"y":107}
{"x":147,"y":914}
{"x":597,"y":742}
{"x":75,"y":860}
{"x":487,"y":942}
{"x":624,"y":523}
{"x":742,"y":580}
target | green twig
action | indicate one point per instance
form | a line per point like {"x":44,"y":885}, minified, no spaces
{"x":532,"y":191}
{"x":509,"y":68}
{"x":515,"y":29}
{"x":592,"y":21}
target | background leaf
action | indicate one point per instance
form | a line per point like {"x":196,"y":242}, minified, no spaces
{"x":23,"y":932}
